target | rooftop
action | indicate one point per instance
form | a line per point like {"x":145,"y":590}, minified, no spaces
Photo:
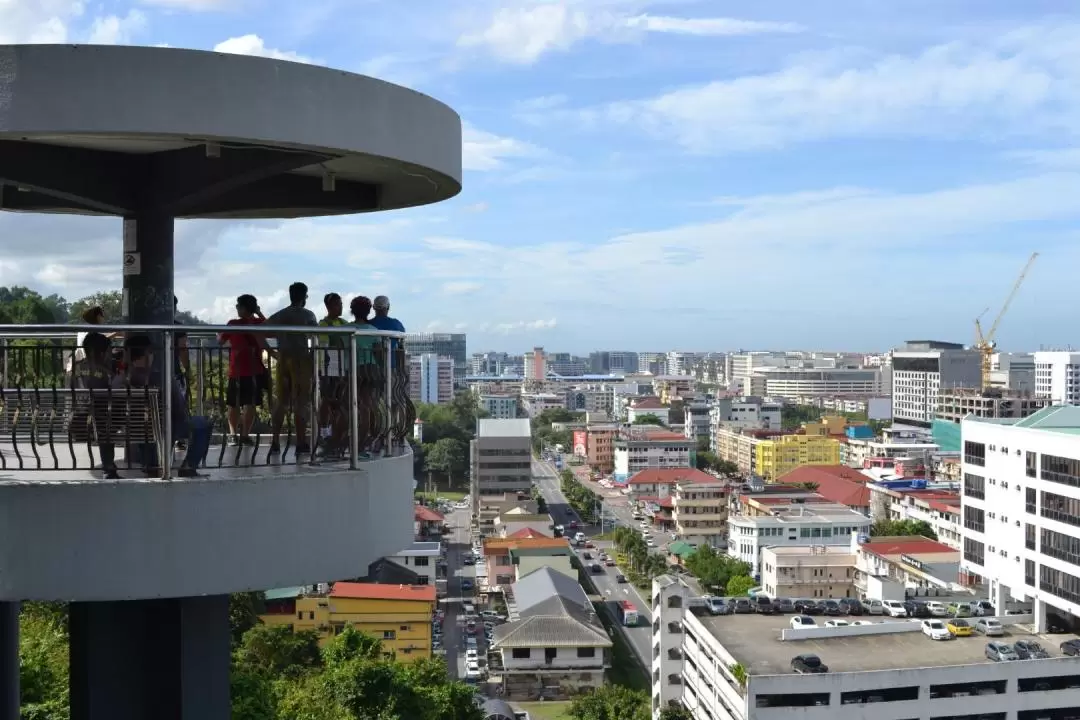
{"x":491,"y":427}
{"x":1056,"y":418}
{"x":498,"y":545}
{"x":907,"y":545}
{"x":426,"y":514}
{"x":671,"y":476}
{"x":371,"y":591}
{"x":806,"y":515}
{"x":524,"y":533}
{"x":837,"y":483}
{"x":649,"y":403}
{"x":754,"y":641}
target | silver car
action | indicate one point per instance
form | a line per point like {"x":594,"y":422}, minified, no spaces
{"x":1000,"y":652}
{"x":989,"y":627}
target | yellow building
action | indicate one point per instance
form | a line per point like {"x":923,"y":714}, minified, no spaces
{"x":398,"y":615}
{"x":781,"y":455}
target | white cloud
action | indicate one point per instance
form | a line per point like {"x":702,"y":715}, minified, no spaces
{"x":528,"y":30}
{"x":484,"y":151}
{"x":114,"y":30}
{"x":1056,"y":159}
{"x":254,"y":45}
{"x":478,"y":207}
{"x":192,"y":5}
{"x":1024,"y":82}
{"x":523,"y":326}
{"x":460,"y":287}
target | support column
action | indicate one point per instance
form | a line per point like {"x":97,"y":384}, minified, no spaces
{"x":141,"y":659}
{"x":148,"y":269}
{"x":9,"y":661}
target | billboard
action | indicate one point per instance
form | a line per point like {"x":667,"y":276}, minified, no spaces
{"x":581,"y":439}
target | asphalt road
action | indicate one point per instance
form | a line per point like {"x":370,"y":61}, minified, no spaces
{"x":457,"y":547}
{"x":640,"y":637}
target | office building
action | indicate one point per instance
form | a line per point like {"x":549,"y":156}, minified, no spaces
{"x":431,"y":379}
{"x":777,"y":456}
{"x":922,"y":370}
{"x":566,"y":365}
{"x":793,"y":523}
{"x":1021,"y":511}
{"x":955,"y":405}
{"x":814,"y":382}
{"x":536,"y":365}
{"x":738,"y":668}
{"x":1057,"y":377}
{"x":615,"y":362}
{"x":1013,"y":371}
{"x":494,"y":363}
{"x":450,"y":345}
{"x":641,"y":447}
{"x":501,"y":458}
{"x":500,"y":407}
{"x":699,"y":510}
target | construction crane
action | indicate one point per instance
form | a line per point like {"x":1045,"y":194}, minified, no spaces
{"x":985,"y":343}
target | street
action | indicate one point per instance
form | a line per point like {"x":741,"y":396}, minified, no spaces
{"x":640,"y":637}
{"x":457,"y":548}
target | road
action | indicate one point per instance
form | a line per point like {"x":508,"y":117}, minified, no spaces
{"x":457,"y":547}
{"x":640,"y":637}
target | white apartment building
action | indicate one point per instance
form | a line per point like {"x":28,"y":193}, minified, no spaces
{"x":815,"y":382}
{"x":922,"y":369}
{"x":856,"y":451}
{"x":808,"y":571}
{"x":817,"y":524}
{"x":731,"y":416}
{"x":1057,"y":376}
{"x":422,"y":558}
{"x":697,"y":422}
{"x":642,"y":447}
{"x":536,"y":403}
{"x":501,"y":458}
{"x":938,"y":505}
{"x":431,"y":378}
{"x":1021,"y":510}
{"x":699,"y":512}
{"x":1013,"y":371}
{"x":500,"y":407}
{"x":737,"y":668}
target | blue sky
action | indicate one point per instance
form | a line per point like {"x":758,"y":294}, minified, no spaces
{"x":659,"y":175}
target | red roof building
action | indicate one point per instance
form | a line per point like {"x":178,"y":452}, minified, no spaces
{"x":525,"y":533}
{"x":648,"y":403}
{"x":422,"y":513}
{"x":374,"y":591}
{"x":892,"y":547}
{"x":837,"y":483}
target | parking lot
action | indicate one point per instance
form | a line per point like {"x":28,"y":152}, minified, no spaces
{"x":754,"y":641}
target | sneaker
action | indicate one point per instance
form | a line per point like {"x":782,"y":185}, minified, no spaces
{"x":187,"y":472}
{"x":110,"y":474}
{"x":234,"y":440}
{"x":274,"y":447}
{"x":247,"y":440}
{"x":303,"y":449}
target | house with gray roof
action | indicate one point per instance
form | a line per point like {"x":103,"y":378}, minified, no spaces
{"x":556,"y":645}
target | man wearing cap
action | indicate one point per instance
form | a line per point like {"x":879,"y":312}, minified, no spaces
{"x":383,"y":321}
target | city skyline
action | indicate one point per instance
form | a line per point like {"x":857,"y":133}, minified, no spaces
{"x":789,"y":177}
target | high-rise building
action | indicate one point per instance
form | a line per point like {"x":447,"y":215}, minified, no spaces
{"x":1057,"y":376}
{"x":613,"y":362}
{"x":488,"y":363}
{"x":652,"y":362}
{"x":500,"y":407}
{"x":501,"y":458}
{"x":444,"y":344}
{"x":536,"y":364}
{"x":924,"y":368}
{"x":431,"y":379}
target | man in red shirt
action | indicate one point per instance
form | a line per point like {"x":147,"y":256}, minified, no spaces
{"x":248,"y":378}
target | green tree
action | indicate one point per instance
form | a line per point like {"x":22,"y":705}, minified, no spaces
{"x":648,"y":419}
{"x":886,"y":528}
{"x":279,"y":651}
{"x":252,"y":694}
{"x":675,"y":712}
{"x":43,"y":663}
{"x":739,"y":585}
{"x":111,"y":302}
{"x":351,"y":644}
{"x":610,"y":702}
{"x":244,"y":609}
{"x":446,"y":455}
{"x":714,"y":569}
{"x":706,"y":460}
{"x":727,"y":468}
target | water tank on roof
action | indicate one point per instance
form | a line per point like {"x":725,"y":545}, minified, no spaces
{"x":919,"y":484}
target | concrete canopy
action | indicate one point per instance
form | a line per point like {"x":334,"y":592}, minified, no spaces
{"x":112,"y":130}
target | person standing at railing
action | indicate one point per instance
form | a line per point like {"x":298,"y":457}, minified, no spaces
{"x":294,"y":381}
{"x":333,"y":390}
{"x":91,"y":412}
{"x":366,"y":360}
{"x":247,"y":374}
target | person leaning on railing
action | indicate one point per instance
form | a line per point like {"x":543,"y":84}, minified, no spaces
{"x":333,"y":423}
{"x":294,"y":380}
{"x":91,"y":411}
{"x":366,"y":347}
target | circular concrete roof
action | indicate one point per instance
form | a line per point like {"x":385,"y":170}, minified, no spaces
{"x":124,"y":130}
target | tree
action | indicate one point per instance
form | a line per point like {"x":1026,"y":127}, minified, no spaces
{"x":648,"y":419}
{"x":43,"y":663}
{"x":111,"y":302}
{"x":244,"y":609}
{"x":810,"y":485}
{"x":706,"y":460}
{"x":727,"y":468}
{"x":279,"y":651}
{"x":714,"y":569}
{"x":886,"y":528}
{"x":351,"y":644}
{"x":446,"y":455}
{"x":252,"y":694}
{"x":610,"y":702}
{"x":739,"y":586}
{"x":675,"y":712}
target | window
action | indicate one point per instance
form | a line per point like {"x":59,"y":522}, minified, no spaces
{"x":974,"y":551}
{"x":791,"y":700}
{"x":1065,"y":471}
{"x":1061,"y":584}
{"x":586,"y":652}
{"x":974,"y":519}
{"x":975,"y":486}
{"x":404,"y":628}
{"x":1058,"y":682}
{"x":1060,"y":508}
{"x":977,"y":716}
{"x":1066,"y":713}
{"x":1029,"y":536}
{"x":299,"y":614}
{"x":421,"y":561}
{"x":1029,"y":501}
{"x":311,"y":615}
{"x":988,"y":687}
{"x":974,"y":453}
{"x":893,"y":694}
{"x":521,"y":653}
{"x":1060,"y":546}
{"x":389,"y":635}
{"x":1030,"y":468}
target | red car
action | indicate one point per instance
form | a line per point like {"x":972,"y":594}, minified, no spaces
{"x":589,"y":545}
{"x":609,"y":563}
{"x":573,"y":524}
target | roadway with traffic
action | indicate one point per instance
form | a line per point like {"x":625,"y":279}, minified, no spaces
{"x":640,"y":637}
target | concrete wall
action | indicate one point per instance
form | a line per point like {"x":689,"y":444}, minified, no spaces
{"x":273,"y":527}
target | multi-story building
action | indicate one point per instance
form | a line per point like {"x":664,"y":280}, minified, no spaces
{"x":861,"y":452}
{"x":592,"y":399}
{"x":738,"y":668}
{"x":1021,"y":511}
{"x":955,"y":405}
{"x":793,"y":524}
{"x":654,"y":363}
{"x":496,"y":363}
{"x":399,"y":616}
{"x":613,"y":362}
{"x":443,"y":345}
{"x":491,"y":507}
{"x":492,"y":385}
{"x":536,"y":364}
{"x":600,"y":447}
{"x":836,"y":483}
{"x":699,"y":510}
{"x":642,"y":447}
{"x":431,"y":379}
{"x":739,"y":446}
{"x":922,"y":369}
{"x":814,"y":382}
{"x":1013,"y":371}
{"x":736,"y":414}
{"x":500,"y":407}
{"x":648,"y":406}
{"x":915,"y":499}
{"x":501,"y":458}
{"x":673,"y":387}
{"x":506,"y":560}
{"x":780,"y":455}
{"x":808,"y":571}
{"x":681,"y":363}
{"x":697,"y":424}
{"x":566,"y":365}
{"x":422,"y":558}
{"x":536,"y":403}
{"x":1057,"y":376}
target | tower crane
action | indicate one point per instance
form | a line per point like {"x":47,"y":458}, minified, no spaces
{"x":985,"y":344}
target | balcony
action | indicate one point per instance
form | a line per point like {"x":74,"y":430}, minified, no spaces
{"x":241,"y":518}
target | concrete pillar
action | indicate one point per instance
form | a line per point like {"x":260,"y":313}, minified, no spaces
{"x":162,"y":659}
{"x":148,"y":269}
{"x":1039,"y":623}
{"x":998,"y":596}
{"x":9,"y":661}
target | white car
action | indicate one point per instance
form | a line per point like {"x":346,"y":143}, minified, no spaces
{"x":649,"y":542}
{"x":937,"y":609}
{"x":893,"y":608}
{"x":936,"y":630}
{"x":470,"y":655}
{"x":472,"y":671}
{"x":836,"y":623}
{"x":802,"y":621}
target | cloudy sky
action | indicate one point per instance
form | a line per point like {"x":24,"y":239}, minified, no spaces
{"x":697,"y":174}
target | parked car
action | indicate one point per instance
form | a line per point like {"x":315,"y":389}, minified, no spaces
{"x":802,"y":621}
{"x":960,"y":627}
{"x":763,"y":605}
{"x":1070,"y":648}
{"x":742,"y":606}
{"x":960,"y":609}
{"x":937,"y":609}
{"x":718,"y":606}
{"x":1000,"y":652}
{"x":983,"y":608}
{"x":872,"y":607}
{"x":1030,"y":650}
{"x":916,"y":609}
{"x":989,"y":627}
{"x":831,"y":608}
{"x":850,"y":606}
{"x":893,"y":608}
{"x":783,"y":605}
{"x":808,"y":664}
{"x":836,"y":623}
{"x":807,"y":607}
{"x":936,"y":630}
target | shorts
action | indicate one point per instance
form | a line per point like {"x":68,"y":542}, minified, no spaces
{"x":333,"y":388}
{"x":245,"y":391}
{"x":294,"y":382}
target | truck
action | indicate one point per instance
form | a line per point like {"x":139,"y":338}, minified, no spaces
{"x":628,"y":614}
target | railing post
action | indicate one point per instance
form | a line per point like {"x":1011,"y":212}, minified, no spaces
{"x":387,"y":448}
{"x":165,"y":452}
{"x":354,"y":406}
{"x":313,"y":420}
{"x":4,"y":346}
{"x":200,"y":378}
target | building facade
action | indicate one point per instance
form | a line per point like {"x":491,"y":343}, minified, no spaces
{"x":641,"y":447}
{"x":922,"y":369}
{"x":808,"y":571}
{"x":501,"y":458}
{"x":536,"y":364}
{"x":450,"y":345}
{"x":699,"y":511}
{"x":955,"y":405}
{"x":431,"y":379}
{"x":819,"y":524}
{"x":780,"y":455}
{"x":500,"y":407}
{"x":1057,"y":377}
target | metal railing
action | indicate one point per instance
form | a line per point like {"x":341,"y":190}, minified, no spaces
{"x":227,"y":387}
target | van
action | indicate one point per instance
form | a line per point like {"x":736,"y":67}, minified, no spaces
{"x":873,"y":607}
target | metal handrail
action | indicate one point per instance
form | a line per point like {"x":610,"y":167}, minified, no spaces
{"x":52,"y":331}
